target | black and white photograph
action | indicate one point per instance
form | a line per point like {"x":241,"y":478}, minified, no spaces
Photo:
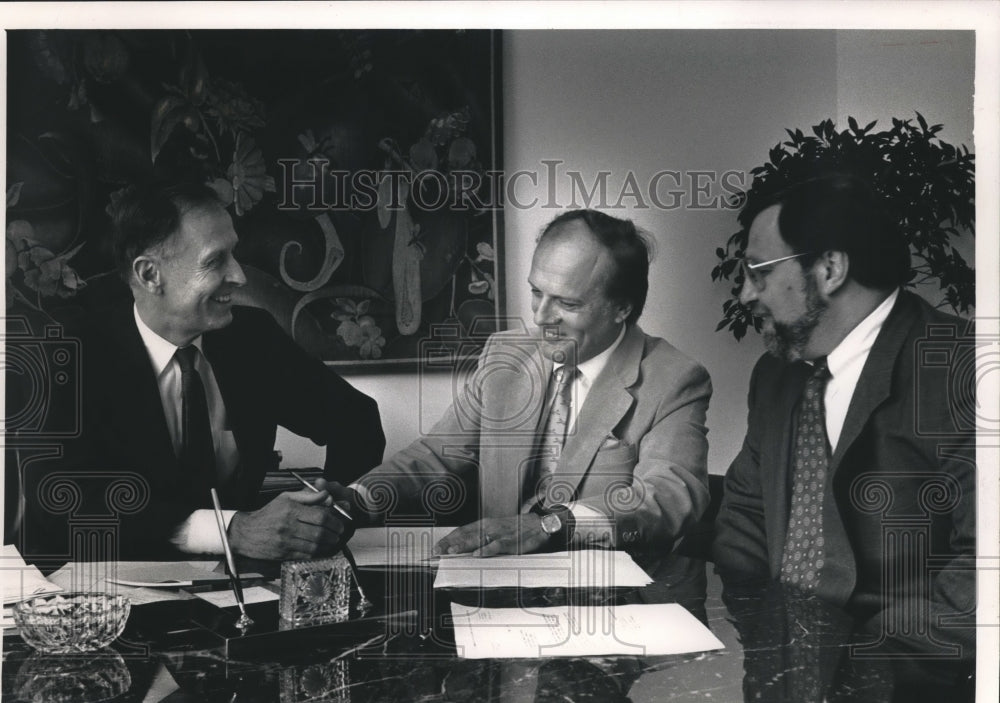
{"x":516,"y":351}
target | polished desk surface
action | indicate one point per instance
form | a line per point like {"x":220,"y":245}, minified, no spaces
{"x":778,"y":647}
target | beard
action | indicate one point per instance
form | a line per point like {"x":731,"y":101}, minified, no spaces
{"x":788,"y":340}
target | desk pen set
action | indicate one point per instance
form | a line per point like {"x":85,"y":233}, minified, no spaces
{"x":315,"y":603}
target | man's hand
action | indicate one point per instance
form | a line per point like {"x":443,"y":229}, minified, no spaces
{"x":519,"y":534}
{"x":295,"y":525}
{"x":348,"y":499}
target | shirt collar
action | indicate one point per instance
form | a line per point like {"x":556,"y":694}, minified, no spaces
{"x":860,"y":340}
{"x":161,"y":352}
{"x":591,"y":368}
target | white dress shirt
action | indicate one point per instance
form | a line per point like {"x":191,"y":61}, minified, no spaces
{"x":846,"y":362}
{"x":199,"y":533}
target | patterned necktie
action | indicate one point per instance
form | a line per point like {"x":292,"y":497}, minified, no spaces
{"x":197,"y":455}
{"x":803,"y":556}
{"x":552,"y":439}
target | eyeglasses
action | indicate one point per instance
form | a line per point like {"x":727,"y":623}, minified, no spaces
{"x":757,"y":273}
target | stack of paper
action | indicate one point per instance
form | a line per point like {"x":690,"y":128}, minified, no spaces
{"x":578,"y":630}
{"x":21,"y":581}
{"x":585,"y":568}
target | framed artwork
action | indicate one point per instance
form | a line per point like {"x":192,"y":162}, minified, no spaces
{"x":360,"y":168}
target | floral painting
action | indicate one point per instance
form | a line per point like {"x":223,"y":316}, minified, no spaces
{"x":358,"y":167}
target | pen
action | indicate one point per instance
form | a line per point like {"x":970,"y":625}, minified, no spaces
{"x":234,"y":578}
{"x":313,"y":488}
{"x":348,"y":554}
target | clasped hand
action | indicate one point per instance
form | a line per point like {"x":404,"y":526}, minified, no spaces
{"x":519,"y":534}
{"x":295,"y":525}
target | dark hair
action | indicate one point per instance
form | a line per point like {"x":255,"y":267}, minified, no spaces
{"x":840,"y":212}
{"x":146,"y":215}
{"x":630,"y":251}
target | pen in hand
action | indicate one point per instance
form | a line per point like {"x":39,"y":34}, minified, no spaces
{"x":234,"y":578}
{"x":365,"y":603}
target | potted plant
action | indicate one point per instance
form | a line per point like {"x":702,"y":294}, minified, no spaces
{"x":927,"y":185}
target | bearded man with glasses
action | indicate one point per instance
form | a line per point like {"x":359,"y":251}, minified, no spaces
{"x":853,"y":423}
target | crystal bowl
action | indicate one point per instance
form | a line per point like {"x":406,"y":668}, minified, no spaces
{"x":61,"y":623}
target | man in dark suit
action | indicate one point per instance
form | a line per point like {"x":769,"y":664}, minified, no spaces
{"x":182,"y":391}
{"x":856,"y":480}
{"x":583,"y":431}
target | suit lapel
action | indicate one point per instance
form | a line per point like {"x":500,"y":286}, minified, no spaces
{"x":873,"y":388}
{"x":218,"y":350}
{"x":608,"y":401}
{"x":142,"y":410}
{"x":875,"y":383}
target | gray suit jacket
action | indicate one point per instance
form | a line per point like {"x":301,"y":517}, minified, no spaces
{"x":637,"y":453}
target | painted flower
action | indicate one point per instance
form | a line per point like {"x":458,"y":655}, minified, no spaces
{"x":247,"y":175}
{"x":44,"y":272}
{"x":363,"y":334}
{"x":485,"y":251}
{"x":358,"y":329}
{"x":232,"y":109}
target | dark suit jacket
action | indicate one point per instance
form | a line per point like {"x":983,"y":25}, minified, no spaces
{"x":122,"y":465}
{"x":899,"y":510}
{"x":637,"y":453}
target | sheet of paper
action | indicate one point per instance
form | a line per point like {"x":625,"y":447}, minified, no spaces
{"x":574,"y":631}
{"x":21,"y":581}
{"x":171,"y":575}
{"x":584,"y":568}
{"x":94,"y":576}
{"x":225,"y":599}
{"x":395,"y":546}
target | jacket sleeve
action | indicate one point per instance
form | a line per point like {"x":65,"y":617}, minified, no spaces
{"x":740,"y":544}
{"x":436,"y":474}
{"x":669,"y":488}
{"x":312,"y":401}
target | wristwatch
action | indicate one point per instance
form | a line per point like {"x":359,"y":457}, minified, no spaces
{"x":557,"y":522}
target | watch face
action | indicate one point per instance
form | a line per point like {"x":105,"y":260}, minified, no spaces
{"x":551,"y":523}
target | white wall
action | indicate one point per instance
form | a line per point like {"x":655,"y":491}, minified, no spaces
{"x":640,"y":102}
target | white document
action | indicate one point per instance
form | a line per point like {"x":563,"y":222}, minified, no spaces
{"x":579,"y":630}
{"x":225,"y":599}
{"x":171,"y":574}
{"x":396,"y":546}
{"x":21,"y":581}
{"x":583,"y":568}
{"x":98,"y":575}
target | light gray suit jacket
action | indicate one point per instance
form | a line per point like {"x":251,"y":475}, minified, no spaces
{"x":637,"y":453}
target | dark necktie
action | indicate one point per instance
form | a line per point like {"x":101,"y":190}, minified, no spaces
{"x":803,"y":556}
{"x":554,"y":435}
{"x":197,"y":456}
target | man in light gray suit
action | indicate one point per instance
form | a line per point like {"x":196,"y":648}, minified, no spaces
{"x":586,"y":431}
